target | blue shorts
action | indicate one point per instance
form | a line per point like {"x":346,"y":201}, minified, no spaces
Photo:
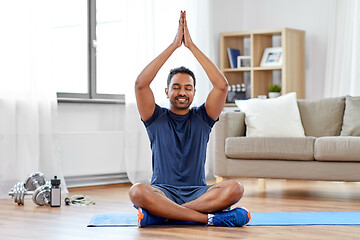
{"x":182,"y":194}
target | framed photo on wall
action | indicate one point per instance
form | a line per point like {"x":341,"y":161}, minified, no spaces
{"x":272,"y":57}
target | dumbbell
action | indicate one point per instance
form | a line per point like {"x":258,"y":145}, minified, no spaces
{"x":36,"y":182}
{"x":18,"y":192}
{"x":41,"y":195}
{"x":36,"y":186}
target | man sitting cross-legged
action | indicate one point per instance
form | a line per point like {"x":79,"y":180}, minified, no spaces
{"x":179,"y":137}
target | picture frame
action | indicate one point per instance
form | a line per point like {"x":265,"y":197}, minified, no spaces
{"x":243,"y":61}
{"x":272,"y":57}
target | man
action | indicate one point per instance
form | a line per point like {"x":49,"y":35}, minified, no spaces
{"x":179,"y":137}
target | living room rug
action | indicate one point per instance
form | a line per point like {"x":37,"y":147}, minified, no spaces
{"x":257,"y":219}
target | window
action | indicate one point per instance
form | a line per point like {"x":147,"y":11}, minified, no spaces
{"x":88,"y":48}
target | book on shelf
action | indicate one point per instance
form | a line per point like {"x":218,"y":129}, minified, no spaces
{"x":233,"y":54}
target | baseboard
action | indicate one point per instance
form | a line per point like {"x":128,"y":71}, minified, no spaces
{"x":95,"y":180}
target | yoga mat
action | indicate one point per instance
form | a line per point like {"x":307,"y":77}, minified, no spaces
{"x":257,"y":219}
{"x":304,"y":218}
{"x":128,"y":220}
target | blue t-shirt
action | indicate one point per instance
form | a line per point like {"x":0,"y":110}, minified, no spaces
{"x":178,"y":144}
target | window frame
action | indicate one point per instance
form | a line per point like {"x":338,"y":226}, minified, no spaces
{"x":92,"y":95}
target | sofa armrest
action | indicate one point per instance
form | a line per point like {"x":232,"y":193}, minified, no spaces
{"x":231,"y":124}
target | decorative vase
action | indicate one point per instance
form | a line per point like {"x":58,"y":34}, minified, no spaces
{"x":274,"y":94}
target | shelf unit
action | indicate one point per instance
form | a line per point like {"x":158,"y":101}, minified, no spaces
{"x":291,"y":73}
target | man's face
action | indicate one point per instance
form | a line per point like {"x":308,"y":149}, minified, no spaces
{"x":181,"y":91}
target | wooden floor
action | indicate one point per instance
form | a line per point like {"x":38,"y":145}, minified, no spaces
{"x":69,"y":222}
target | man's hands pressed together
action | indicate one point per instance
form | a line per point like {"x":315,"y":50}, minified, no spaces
{"x":183,"y":35}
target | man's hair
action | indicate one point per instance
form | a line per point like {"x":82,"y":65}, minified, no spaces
{"x":181,"y":69}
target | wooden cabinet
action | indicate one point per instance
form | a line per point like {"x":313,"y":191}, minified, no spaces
{"x":290,"y":75}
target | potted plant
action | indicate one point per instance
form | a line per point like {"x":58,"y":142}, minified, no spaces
{"x":274,"y":91}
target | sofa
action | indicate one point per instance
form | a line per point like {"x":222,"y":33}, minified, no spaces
{"x":329,"y":151}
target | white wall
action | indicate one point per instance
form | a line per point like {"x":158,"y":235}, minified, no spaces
{"x":225,"y":16}
{"x":311,"y":16}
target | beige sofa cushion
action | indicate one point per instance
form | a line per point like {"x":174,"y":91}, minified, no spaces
{"x":337,"y":149}
{"x":322,"y":117}
{"x":280,"y":169}
{"x":284,"y":148}
{"x":351,"y":121}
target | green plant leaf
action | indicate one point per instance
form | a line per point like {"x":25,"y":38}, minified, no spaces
{"x":274,"y":88}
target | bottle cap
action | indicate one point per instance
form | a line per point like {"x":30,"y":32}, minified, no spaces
{"x":55,"y":181}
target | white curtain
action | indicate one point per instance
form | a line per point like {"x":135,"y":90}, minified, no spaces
{"x":154,"y":25}
{"x":343,"y":60}
{"x":28,"y":104}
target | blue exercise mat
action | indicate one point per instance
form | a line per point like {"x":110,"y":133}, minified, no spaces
{"x":257,"y":219}
{"x":304,"y":218}
{"x":129,"y":220}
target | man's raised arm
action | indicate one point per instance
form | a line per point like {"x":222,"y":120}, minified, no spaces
{"x":216,"y":98}
{"x":144,"y":96}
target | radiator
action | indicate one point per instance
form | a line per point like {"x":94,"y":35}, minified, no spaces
{"x":95,"y":180}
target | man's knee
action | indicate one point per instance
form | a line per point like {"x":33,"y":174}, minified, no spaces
{"x":137,"y":193}
{"x":235,"y":190}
